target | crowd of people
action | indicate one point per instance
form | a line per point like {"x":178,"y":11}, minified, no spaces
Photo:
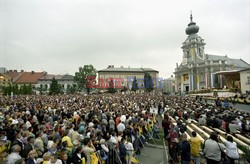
{"x":224,"y":117}
{"x":109,"y":128}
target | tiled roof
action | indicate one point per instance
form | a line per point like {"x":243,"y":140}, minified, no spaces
{"x":50,"y":77}
{"x":67,"y":77}
{"x":236,"y":62}
{"x":30,"y":77}
{"x":14,"y":75}
{"x":113,"y":69}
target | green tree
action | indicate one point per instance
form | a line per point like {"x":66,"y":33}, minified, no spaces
{"x":148,"y":82}
{"x":15,"y":89}
{"x":29,"y":89}
{"x":134,"y":85}
{"x":55,"y":88}
{"x":82,"y":75}
{"x":25,"y":89}
{"x":111,"y":86}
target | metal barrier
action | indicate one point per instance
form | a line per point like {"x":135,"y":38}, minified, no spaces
{"x":165,"y":153}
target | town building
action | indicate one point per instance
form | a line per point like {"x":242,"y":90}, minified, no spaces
{"x":5,"y":80}
{"x":66,"y":81}
{"x":126,"y":76}
{"x":198,"y":69}
{"x":26,"y":78}
{"x":245,"y":81}
{"x":169,"y":85}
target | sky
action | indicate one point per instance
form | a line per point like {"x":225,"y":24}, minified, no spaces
{"x":59,"y":36}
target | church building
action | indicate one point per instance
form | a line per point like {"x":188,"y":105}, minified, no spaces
{"x":198,"y":69}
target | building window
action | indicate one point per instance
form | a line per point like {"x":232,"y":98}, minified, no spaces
{"x":248,"y":80}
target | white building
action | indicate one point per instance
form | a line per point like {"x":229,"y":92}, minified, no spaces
{"x":245,"y":81}
{"x":169,"y":85}
{"x":65,"y":81}
{"x":198,"y":69}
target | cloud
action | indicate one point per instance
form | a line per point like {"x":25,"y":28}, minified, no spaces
{"x":58,"y":36}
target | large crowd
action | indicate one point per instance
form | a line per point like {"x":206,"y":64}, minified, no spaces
{"x":219,"y":115}
{"x":108,"y":128}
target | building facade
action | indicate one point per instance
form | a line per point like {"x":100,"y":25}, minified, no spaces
{"x":197,"y":69}
{"x":5,"y":80}
{"x":126,"y":76}
{"x":66,"y":81}
{"x":245,"y":81}
{"x":169,"y":85}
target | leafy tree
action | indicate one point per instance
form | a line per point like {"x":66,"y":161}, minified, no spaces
{"x":134,"y":84}
{"x":55,"y":88}
{"x":124,"y":89}
{"x":111,"y":87}
{"x":81,"y":76}
{"x":15,"y":89}
{"x":29,"y":89}
{"x":71,"y":89}
{"x":148,"y":82}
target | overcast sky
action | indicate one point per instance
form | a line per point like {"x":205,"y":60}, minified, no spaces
{"x":58,"y":36}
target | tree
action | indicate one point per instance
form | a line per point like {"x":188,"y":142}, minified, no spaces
{"x":111,"y":87}
{"x":134,"y":84}
{"x":16,"y":90}
{"x":55,"y":88}
{"x":81,"y":76}
{"x":148,"y":82}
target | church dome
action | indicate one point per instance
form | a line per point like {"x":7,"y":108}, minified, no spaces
{"x":192,"y":27}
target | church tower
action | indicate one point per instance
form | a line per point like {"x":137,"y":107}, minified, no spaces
{"x":193,"y":47}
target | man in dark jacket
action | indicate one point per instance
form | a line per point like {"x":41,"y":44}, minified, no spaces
{"x":184,"y":148}
{"x":123,"y":152}
{"x":28,"y":147}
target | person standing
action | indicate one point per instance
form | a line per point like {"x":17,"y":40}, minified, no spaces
{"x":173,"y":141}
{"x":14,"y":155}
{"x":212,"y":149}
{"x":195,"y":143}
{"x":231,"y":149}
{"x":165,"y":125}
{"x":184,"y":148}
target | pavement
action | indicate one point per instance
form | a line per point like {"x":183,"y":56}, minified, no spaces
{"x":151,"y":155}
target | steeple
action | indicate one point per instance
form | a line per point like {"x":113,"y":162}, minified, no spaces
{"x":192,"y":27}
{"x":191,"y":17}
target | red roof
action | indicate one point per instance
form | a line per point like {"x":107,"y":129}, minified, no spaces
{"x":14,"y":75}
{"x":30,"y":77}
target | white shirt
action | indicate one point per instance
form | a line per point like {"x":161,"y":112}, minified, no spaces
{"x":113,"y":140}
{"x":58,"y":161}
{"x":105,"y":148}
{"x":13,"y":157}
{"x":121,"y":127}
{"x":129,"y":146}
{"x":231,"y":149}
